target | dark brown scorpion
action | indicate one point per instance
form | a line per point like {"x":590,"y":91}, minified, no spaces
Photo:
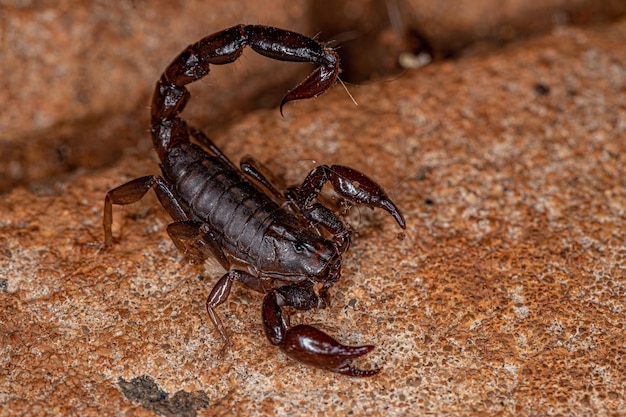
{"x":285,"y":245}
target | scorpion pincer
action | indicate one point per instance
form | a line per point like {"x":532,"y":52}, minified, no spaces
{"x":286,"y":245}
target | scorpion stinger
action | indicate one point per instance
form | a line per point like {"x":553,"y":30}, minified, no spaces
{"x":293,"y":254}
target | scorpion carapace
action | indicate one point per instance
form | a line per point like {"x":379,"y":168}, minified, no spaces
{"x":286,"y":245}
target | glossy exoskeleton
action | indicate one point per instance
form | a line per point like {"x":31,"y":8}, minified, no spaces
{"x":286,"y":245}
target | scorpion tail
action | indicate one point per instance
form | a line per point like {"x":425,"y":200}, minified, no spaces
{"x":171,"y":96}
{"x":318,"y":82}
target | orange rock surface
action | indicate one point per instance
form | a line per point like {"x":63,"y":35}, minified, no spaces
{"x":505,"y":295}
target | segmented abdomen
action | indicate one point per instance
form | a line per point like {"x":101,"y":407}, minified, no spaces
{"x":211,"y":192}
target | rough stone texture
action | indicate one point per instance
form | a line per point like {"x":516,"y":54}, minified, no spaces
{"x":77,"y":76}
{"x":506,"y":295}
{"x":451,"y":25}
{"x":406,"y":33}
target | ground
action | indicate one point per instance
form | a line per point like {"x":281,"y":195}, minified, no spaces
{"x":506,"y":293}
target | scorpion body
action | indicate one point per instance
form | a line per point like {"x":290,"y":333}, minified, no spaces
{"x":285,"y":245}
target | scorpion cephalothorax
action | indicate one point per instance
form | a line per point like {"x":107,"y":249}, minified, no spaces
{"x":285,"y":245}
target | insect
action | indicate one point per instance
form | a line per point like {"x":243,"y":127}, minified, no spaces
{"x":286,"y":245}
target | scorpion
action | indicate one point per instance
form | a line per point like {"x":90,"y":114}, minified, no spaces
{"x":286,"y":245}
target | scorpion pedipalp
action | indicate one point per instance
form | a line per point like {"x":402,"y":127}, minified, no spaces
{"x":360,"y":189}
{"x":305,"y":343}
{"x":312,"y":346}
{"x":350,"y":184}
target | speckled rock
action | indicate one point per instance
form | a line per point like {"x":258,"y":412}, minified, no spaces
{"x":505,"y":295}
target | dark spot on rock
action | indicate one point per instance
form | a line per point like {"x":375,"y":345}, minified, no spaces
{"x":146,"y":392}
{"x":541,"y":89}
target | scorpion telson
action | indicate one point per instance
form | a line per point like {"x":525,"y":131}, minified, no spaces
{"x":286,"y":245}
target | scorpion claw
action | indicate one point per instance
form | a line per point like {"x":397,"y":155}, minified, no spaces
{"x":359,"y":188}
{"x":311,"y":346}
{"x":305,"y":343}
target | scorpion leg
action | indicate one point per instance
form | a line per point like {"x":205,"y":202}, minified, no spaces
{"x":205,"y":141}
{"x":196,"y":241}
{"x":219,"y":294}
{"x":305,"y":343}
{"x":255,"y":170}
{"x":133,"y":191}
{"x":349,"y":184}
{"x":221,"y":291}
